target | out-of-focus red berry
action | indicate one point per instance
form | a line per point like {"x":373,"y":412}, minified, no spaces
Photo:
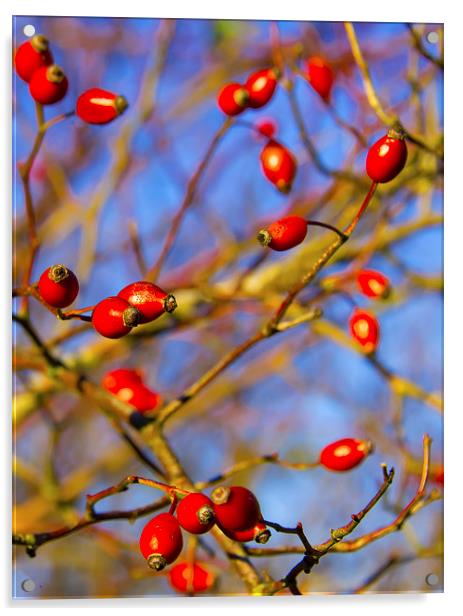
{"x":364,"y":328}
{"x":373,"y":284}
{"x":185,"y":577}
{"x":261,"y":87}
{"x":345,"y":454}
{"x":232,"y":99}
{"x":320,"y":76}
{"x":278,"y":165}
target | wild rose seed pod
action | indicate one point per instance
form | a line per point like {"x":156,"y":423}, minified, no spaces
{"x":97,"y":106}
{"x":58,"y":286}
{"x":278,"y":165}
{"x":364,"y":328}
{"x":387,"y":157}
{"x":191,"y":577}
{"x":235,"y":508}
{"x":113,"y":317}
{"x":32,"y":55}
{"x":261,"y":87}
{"x":345,"y":454}
{"x":373,"y":284}
{"x":161,"y":541}
{"x":195,"y":513}
{"x":48,"y":85}
{"x":232,"y":99}
{"x":284,"y":233}
{"x":150,"y":300}
{"x":320,"y":76}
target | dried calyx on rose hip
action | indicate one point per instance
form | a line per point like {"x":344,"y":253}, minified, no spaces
{"x":236,"y":508}
{"x":278,"y":165}
{"x":129,"y":387}
{"x":97,"y":106}
{"x":232,"y":99}
{"x":345,"y":454}
{"x":320,"y":76}
{"x":161,"y":541}
{"x":150,"y":300}
{"x":387,"y":157}
{"x":373,"y":284}
{"x":261,"y":87}
{"x":195,"y":513}
{"x":364,"y":328}
{"x":32,"y":55}
{"x":114,"y":317}
{"x":258,"y":533}
{"x":284,"y":234}
{"x":48,"y":85}
{"x":58,"y":286}
{"x":191,"y":577}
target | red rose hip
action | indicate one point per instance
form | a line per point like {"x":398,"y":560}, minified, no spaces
{"x":97,"y":106}
{"x":373,"y":284}
{"x":115,"y":380}
{"x":345,"y":454}
{"x":258,"y":533}
{"x":278,"y":165}
{"x":58,"y":286}
{"x":235,"y":508}
{"x":32,"y":55}
{"x":387,"y":157}
{"x":48,"y":85}
{"x":261,"y":86}
{"x":161,"y":541}
{"x":320,"y":77}
{"x":195,"y":513}
{"x":364,"y":328}
{"x":284,"y":233}
{"x":194,"y":577}
{"x":266,"y":128}
{"x":149,"y":299}
{"x":114,"y":317}
{"x":232,"y":99}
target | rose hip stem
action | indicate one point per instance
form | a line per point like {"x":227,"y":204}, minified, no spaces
{"x":325,"y":225}
{"x":24,"y":170}
{"x":75,"y":314}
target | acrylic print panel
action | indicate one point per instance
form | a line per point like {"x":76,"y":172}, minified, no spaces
{"x":261,"y":415}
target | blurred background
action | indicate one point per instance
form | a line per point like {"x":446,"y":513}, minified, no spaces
{"x":95,"y":188}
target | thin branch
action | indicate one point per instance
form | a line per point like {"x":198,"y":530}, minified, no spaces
{"x":154,"y":271}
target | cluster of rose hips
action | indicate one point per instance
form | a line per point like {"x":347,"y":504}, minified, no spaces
{"x":48,"y":84}
{"x":235,"y":510}
{"x":113,"y":317}
{"x":278,"y":164}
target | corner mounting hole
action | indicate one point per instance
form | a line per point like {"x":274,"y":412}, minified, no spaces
{"x":432,"y":579}
{"x":29,"y":30}
{"x":28,"y":585}
{"x":432,"y":37}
